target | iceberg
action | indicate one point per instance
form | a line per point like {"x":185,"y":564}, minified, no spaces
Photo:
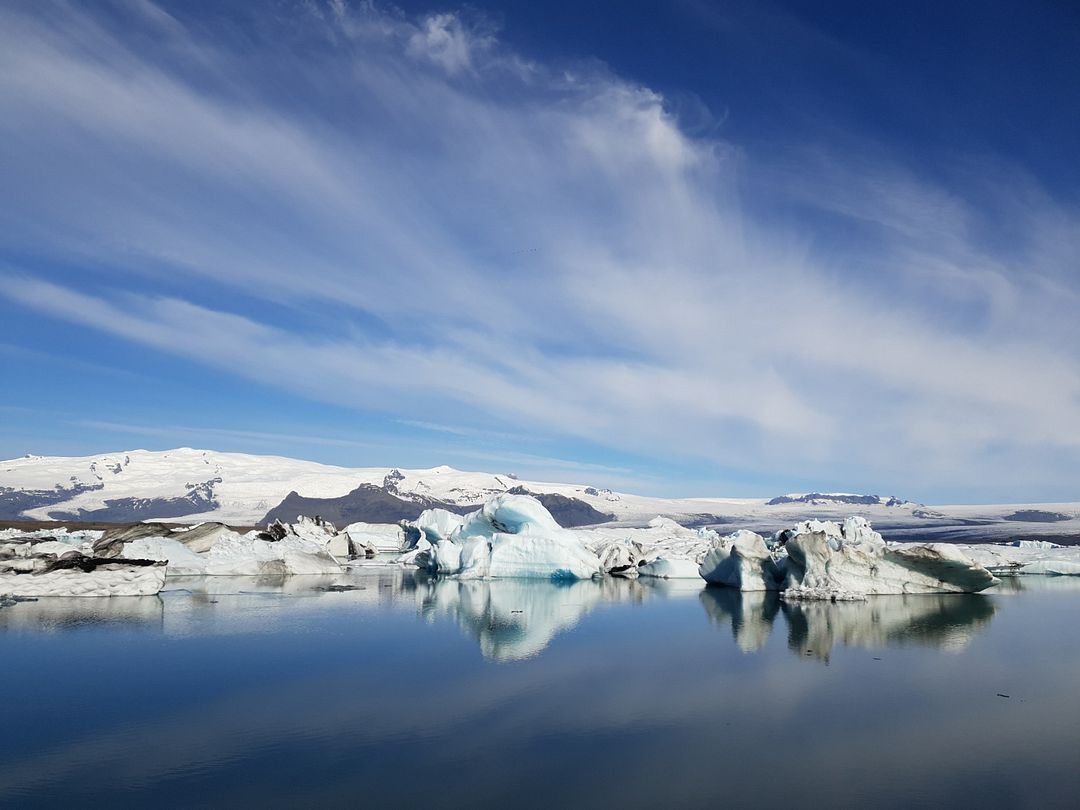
{"x":378,"y":537}
{"x":304,"y":548}
{"x":114,"y":578}
{"x":670,"y":568}
{"x":1037,"y":557}
{"x":827,"y":561}
{"x":663,"y":549}
{"x":742,"y":560}
{"x":509,"y":536}
{"x":39,"y":567}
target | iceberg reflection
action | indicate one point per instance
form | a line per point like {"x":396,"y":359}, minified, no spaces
{"x":513,"y":619}
{"x":57,"y":614}
{"x":814,"y":629}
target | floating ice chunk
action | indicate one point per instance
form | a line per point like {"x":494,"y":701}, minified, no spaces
{"x":670,"y":568}
{"x":741,"y":560}
{"x":250,"y":556}
{"x":51,"y":568}
{"x":510,"y":536}
{"x":202,"y":537}
{"x":1026,"y":557}
{"x":1042,"y":545}
{"x":822,"y":565}
{"x":622,"y":558}
{"x":1053,"y":568}
{"x":110,"y":579}
{"x":437,"y":524}
{"x":665,"y":549}
{"x":381,"y":537}
{"x":181,"y":559}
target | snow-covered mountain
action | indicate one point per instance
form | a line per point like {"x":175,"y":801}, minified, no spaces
{"x":186,"y":485}
{"x":238,"y":488}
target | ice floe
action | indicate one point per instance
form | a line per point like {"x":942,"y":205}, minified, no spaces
{"x":1033,"y":557}
{"x":38,"y":566}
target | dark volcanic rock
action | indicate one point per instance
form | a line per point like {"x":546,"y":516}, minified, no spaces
{"x":14,"y":502}
{"x":200,"y":498}
{"x":1037,"y":516}
{"x":373,"y":504}
{"x":367,"y":502}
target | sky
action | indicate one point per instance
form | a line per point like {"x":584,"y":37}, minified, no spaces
{"x":675,"y":248}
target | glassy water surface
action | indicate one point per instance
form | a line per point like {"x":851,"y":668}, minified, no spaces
{"x":409,"y":691}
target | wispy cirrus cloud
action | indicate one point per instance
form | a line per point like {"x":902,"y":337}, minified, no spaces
{"x":442,"y":226}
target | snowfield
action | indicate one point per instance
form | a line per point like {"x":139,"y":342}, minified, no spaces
{"x":186,"y":485}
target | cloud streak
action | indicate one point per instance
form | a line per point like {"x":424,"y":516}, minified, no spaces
{"x":346,"y":205}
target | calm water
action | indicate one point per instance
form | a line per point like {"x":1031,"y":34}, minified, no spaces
{"x":412,"y":692}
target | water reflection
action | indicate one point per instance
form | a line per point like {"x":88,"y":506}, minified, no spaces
{"x":255,"y":693}
{"x":814,"y":629}
{"x":517,"y":619}
{"x":750,"y":614}
{"x":57,"y":614}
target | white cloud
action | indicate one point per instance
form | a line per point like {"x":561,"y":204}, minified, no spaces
{"x":545,"y":249}
{"x":443,"y":40}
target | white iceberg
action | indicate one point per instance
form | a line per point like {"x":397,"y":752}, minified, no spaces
{"x":663,"y":549}
{"x":182,"y":560}
{"x":1037,"y":557}
{"x":826,"y":561}
{"x":303,"y":548}
{"x":510,"y":536}
{"x":53,"y":568}
{"x":381,"y":537}
{"x":741,"y":560}
{"x":115,"y":578}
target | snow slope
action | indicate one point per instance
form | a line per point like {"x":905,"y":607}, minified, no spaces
{"x":185,"y":485}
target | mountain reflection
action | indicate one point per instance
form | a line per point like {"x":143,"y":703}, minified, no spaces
{"x":814,"y":629}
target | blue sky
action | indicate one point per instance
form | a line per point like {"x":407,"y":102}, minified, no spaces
{"x":677,"y":248}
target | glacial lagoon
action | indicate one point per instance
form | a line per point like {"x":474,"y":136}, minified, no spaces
{"x":401,"y":690}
